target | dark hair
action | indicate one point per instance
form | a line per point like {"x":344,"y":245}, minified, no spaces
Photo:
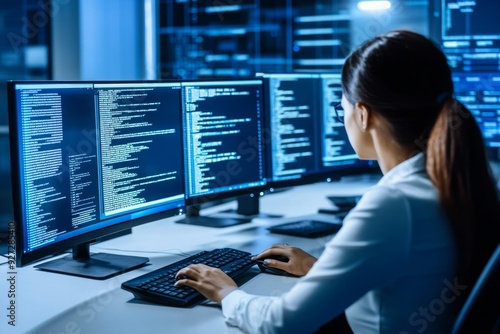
{"x":405,"y":78}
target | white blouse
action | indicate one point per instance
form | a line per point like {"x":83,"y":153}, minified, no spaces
{"x":391,"y":268}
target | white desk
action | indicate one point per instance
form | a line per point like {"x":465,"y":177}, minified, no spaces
{"x":54,"y":303}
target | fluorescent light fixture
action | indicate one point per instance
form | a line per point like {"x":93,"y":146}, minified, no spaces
{"x":323,"y":18}
{"x":325,"y":42}
{"x":149,"y":43}
{"x":221,"y":9}
{"x":374,"y":5}
{"x":321,"y":62}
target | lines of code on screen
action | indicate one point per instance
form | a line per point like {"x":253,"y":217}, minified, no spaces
{"x":307,"y":137}
{"x":140,"y":145}
{"x":59,"y":162}
{"x":223,"y":134}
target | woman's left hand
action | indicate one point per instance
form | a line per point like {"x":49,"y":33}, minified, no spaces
{"x":299,"y":261}
{"x":211,"y":282}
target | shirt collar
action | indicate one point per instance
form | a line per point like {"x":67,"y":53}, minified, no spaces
{"x":410,"y":166}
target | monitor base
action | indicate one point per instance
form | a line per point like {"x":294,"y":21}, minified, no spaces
{"x":213,"y":221}
{"x":97,"y":266}
{"x":249,"y":206}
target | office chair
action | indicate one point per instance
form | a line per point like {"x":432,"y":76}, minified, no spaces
{"x":481,"y":311}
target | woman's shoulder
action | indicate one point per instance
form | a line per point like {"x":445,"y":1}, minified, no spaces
{"x":405,"y":200}
{"x":413,"y":187}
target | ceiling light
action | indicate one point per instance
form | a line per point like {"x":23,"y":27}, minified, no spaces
{"x":374,"y":5}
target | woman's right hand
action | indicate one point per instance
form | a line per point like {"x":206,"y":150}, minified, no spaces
{"x":299,"y":261}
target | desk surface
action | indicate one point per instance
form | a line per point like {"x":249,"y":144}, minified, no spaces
{"x":55,"y":303}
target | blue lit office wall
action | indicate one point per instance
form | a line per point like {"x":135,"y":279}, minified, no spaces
{"x":100,"y":40}
{"x":403,"y":14}
{"x":24,"y":54}
{"x":111,"y":42}
{"x":214,"y":38}
{"x":150,"y":39}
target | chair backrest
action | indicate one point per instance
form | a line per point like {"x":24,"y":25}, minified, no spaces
{"x":481,"y":311}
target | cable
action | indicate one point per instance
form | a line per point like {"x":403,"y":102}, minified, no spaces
{"x":177,"y":251}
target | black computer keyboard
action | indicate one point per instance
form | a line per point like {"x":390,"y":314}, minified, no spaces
{"x":306,"y":228}
{"x":158,"y":285}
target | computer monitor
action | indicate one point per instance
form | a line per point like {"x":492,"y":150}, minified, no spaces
{"x":307,"y":141}
{"x":223,"y":144}
{"x":90,"y":159}
{"x":471,"y":42}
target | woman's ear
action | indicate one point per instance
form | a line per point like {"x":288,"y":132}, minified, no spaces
{"x":364,"y":116}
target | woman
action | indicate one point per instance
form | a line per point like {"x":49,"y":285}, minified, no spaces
{"x":412,"y":248}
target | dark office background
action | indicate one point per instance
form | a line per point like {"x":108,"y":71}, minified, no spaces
{"x":152,"y":39}
{"x":24,"y":54}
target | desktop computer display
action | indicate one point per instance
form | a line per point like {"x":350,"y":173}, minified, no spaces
{"x":307,"y":142}
{"x":223,"y":143}
{"x":90,"y":159}
{"x":471,"y":42}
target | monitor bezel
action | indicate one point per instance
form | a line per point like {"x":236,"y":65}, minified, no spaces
{"x":62,"y":246}
{"x":371,"y":167}
{"x":203,"y":199}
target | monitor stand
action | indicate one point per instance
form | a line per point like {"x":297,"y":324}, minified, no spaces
{"x":193,"y":217}
{"x":249,"y":206}
{"x":95,"y":266}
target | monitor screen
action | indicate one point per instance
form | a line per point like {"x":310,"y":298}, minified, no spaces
{"x":90,"y":159}
{"x":471,"y":42}
{"x":307,"y":141}
{"x":223,"y":134}
{"x":235,"y":38}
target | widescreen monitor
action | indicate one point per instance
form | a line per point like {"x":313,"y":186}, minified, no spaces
{"x":90,"y":159}
{"x":306,"y":140}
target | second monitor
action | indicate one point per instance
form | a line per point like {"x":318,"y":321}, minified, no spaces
{"x":308,"y":142}
{"x":223,"y":144}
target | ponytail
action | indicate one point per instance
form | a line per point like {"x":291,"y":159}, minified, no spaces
{"x":405,"y":78}
{"x":458,"y":167}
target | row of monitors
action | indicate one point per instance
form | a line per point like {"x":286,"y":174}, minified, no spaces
{"x":90,"y":158}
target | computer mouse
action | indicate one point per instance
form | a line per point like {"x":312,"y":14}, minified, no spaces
{"x":271,"y":270}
